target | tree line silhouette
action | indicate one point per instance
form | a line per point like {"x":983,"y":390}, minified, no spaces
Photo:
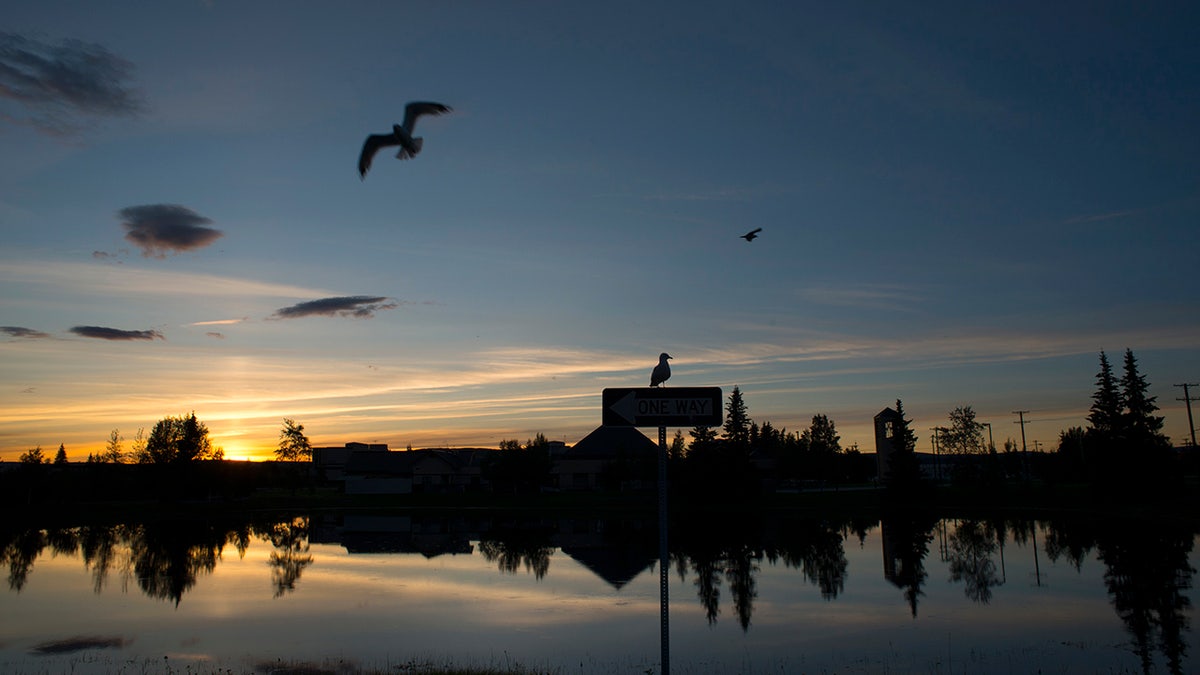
{"x":1122,"y":452}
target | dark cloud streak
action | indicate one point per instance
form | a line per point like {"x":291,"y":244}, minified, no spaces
{"x":159,"y":229}
{"x":55,"y":83}
{"x":104,"y":333}
{"x":21,"y":332}
{"x":357,"y":306}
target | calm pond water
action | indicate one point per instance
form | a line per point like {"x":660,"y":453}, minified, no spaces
{"x":780,"y":594}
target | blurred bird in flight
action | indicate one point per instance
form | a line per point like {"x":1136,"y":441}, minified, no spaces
{"x":401,"y":135}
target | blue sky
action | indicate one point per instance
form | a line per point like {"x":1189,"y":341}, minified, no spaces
{"x":961,"y":203}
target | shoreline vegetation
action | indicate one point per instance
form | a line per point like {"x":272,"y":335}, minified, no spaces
{"x":92,"y":663}
{"x":44,"y":499}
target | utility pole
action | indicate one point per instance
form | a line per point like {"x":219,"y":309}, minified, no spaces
{"x":1024,"y":454}
{"x":1187,"y":398}
{"x":937,"y":462}
{"x":1022,"y":422}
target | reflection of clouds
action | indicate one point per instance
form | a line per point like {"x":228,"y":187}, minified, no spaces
{"x":567,"y":596}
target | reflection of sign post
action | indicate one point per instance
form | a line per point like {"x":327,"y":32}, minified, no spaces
{"x":662,"y":407}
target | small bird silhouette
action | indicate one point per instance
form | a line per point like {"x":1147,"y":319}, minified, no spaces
{"x":749,"y":236}
{"x":401,"y":135}
{"x":662,"y":372}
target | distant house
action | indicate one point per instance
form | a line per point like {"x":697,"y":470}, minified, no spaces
{"x":330,"y":462}
{"x":605,"y":456}
{"x":374,"y":473}
{"x":458,"y":470}
{"x":420,"y":471}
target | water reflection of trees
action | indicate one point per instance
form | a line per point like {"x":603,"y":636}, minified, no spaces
{"x":166,"y":558}
{"x":1147,"y":577}
{"x":290,"y":557}
{"x":1147,"y":573}
{"x":510,"y":548}
{"x":715,"y":553}
{"x":906,"y":542}
{"x":972,"y":546}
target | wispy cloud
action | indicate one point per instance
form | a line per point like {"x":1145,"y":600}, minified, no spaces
{"x":56,"y":84}
{"x":218,"y":322}
{"x":107,"y":280}
{"x":105,"y":333}
{"x":159,"y":229}
{"x":105,"y":255}
{"x":20,"y":332}
{"x":357,"y":306}
{"x":866,"y":296}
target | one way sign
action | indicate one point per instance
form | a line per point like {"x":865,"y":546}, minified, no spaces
{"x":662,"y":407}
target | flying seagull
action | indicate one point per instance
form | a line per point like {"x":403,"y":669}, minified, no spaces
{"x":749,"y":236}
{"x":401,"y":135}
{"x":662,"y":372}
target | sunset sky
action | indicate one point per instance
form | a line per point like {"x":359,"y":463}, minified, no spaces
{"x":961,"y":203}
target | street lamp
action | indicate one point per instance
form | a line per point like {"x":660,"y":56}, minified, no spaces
{"x":991,"y":445}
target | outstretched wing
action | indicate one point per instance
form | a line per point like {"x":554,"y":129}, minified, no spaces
{"x":372,"y":145}
{"x":417,"y":108}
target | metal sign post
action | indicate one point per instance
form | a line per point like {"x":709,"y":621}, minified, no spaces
{"x":663,"y":555}
{"x":663,"y":407}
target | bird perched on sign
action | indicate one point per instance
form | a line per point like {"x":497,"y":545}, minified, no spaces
{"x":749,"y":236}
{"x":662,"y":372}
{"x":401,"y":135}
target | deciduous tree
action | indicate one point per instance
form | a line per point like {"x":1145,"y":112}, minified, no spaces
{"x":822,"y":445}
{"x":114,"y":451}
{"x":517,"y":469}
{"x":180,"y":440}
{"x":965,"y":435}
{"x":293,"y":444}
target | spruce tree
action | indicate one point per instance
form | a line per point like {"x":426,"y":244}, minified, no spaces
{"x":737,"y":420}
{"x":1105,"y":415}
{"x":903,"y":471}
{"x":903,"y":437}
{"x":1142,"y":428}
